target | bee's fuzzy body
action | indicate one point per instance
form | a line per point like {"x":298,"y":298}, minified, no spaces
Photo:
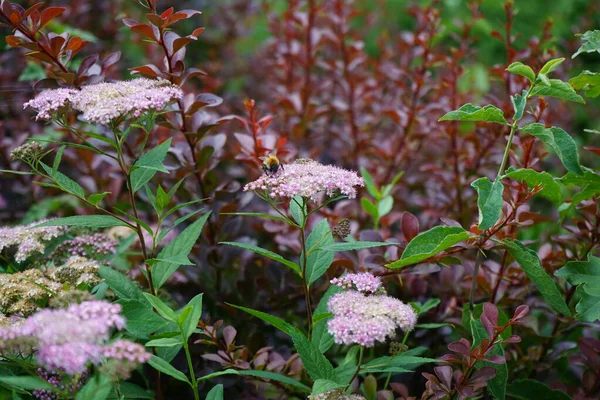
{"x":271,"y":164}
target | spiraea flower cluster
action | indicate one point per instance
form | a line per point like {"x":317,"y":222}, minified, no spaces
{"x":70,"y":339}
{"x":367,"y":315}
{"x":104,"y":102}
{"x":50,"y":101}
{"x":336,"y":394}
{"x":27,"y":239}
{"x":22,"y":293}
{"x":309,"y":179}
{"x":363,"y":282}
{"x":92,"y":246}
{"x":28,"y":152}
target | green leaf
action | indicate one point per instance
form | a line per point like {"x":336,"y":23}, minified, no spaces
{"x":551,"y":189}
{"x":369,"y":207}
{"x":141,"y":320}
{"x":266,"y":253}
{"x":318,"y":260}
{"x":164,"y":342}
{"x":123,"y":287}
{"x":67,"y":184}
{"x":521,"y":69}
{"x":216,"y":393}
{"x":181,"y":245}
{"x":131,"y":391}
{"x":317,"y":366}
{"x":586,"y":275}
{"x":356,"y":245}
{"x":428,"y":305}
{"x":430,"y":243}
{"x":57,"y":159}
{"x":531,"y":389}
{"x":97,"y":388}
{"x":561,"y":142}
{"x":90,"y":221}
{"x":529,"y":261}
{"x":26,"y":382}
{"x":162,"y":198}
{"x":591,"y":43}
{"x":551,"y":65}
{"x":399,"y":364}
{"x":321,"y":337}
{"x":384,"y":206}
{"x":469,"y":112}
{"x":433,"y":325}
{"x":489,"y":201}
{"x":96,"y":198}
{"x":324,"y":385}
{"x":258,"y":374}
{"x":519,"y":102}
{"x":147,"y":165}
{"x":557,"y":89}
{"x":162,"y":309}
{"x":369,"y":183}
{"x":587,"y":81}
{"x":298,"y":209}
{"x":276,"y":322}
{"x":166,"y":368}
{"x":497,"y":385}
{"x":191,"y":321}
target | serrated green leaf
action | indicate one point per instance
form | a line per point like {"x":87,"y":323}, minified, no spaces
{"x":216,"y":393}
{"x":321,"y":338}
{"x":147,"y":165}
{"x":551,"y":189}
{"x":181,"y":245}
{"x":298,"y":209}
{"x":324,"y":385}
{"x":267,"y":253}
{"x":96,"y":198}
{"x":160,"y":307}
{"x":318,"y":260}
{"x":164,"y":342}
{"x":489,"y":201}
{"x":399,"y":364}
{"x":123,"y":287}
{"x":529,"y":261}
{"x":587,"y":81}
{"x":90,"y":221}
{"x":97,"y":388}
{"x":357,"y":245}
{"x":429,"y":243}
{"x":591,"y":43}
{"x":551,"y":65}
{"x":521,"y":69}
{"x":27,"y":382}
{"x":317,"y":366}
{"x":141,"y":320}
{"x":560,"y":141}
{"x":258,"y":374}
{"x":276,"y":322}
{"x":531,"y":389}
{"x":57,"y":159}
{"x":557,"y":89}
{"x":191,"y":321}
{"x":67,"y":184}
{"x":166,"y":368}
{"x":469,"y":112}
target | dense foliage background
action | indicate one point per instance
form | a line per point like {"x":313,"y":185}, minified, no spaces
{"x":365,"y":93}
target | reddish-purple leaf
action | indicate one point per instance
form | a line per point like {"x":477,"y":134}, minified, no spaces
{"x":520,"y":313}
{"x":444,"y":373}
{"x":463,"y":346}
{"x":410,"y":226}
{"x":111,"y":59}
{"x":148,"y":70}
{"x":482,"y":375}
{"x":48,"y":14}
{"x":144,"y":29}
{"x":87,"y":63}
{"x":130,"y":22}
{"x":229,"y":333}
{"x":513,"y":339}
{"x":489,"y":318}
{"x":496,"y":359}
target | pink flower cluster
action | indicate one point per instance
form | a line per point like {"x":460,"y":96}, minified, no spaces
{"x":363,"y":319}
{"x":68,"y":340}
{"x":103,"y":102}
{"x":50,"y":101}
{"x":309,"y":179}
{"x":94,"y":246}
{"x":363,"y":282}
{"x":28,"y":240}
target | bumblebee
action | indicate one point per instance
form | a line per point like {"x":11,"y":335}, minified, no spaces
{"x":271,"y":164}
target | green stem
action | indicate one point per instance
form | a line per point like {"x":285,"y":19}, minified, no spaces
{"x":360,"y":358}
{"x":305,"y":284}
{"x":513,"y":129}
{"x":186,"y":347}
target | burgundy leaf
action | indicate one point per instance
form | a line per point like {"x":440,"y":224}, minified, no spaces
{"x":111,"y":59}
{"x":496,"y":359}
{"x":410,"y":226}
{"x":229,"y":333}
{"x":513,"y":339}
{"x":87,"y":63}
{"x":520,"y":313}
